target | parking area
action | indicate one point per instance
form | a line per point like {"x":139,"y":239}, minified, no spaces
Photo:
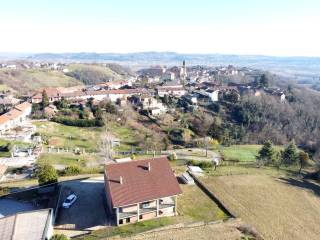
{"x":88,"y":211}
{"x":9,"y":207}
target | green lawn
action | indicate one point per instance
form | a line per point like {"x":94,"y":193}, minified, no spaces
{"x":62,"y":136}
{"x":194,"y":205}
{"x":67,"y":159}
{"x":242,"y":153}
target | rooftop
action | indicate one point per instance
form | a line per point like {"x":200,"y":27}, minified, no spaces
{"x":31,"y":225}
{"x":139,"y":183}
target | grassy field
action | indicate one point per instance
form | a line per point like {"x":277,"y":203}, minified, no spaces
{"x":68,"y":159}
{"x":125,"y":134}
{"x":278,"y":206}
{"x":242,"y":153}
{"x":62,"y":136}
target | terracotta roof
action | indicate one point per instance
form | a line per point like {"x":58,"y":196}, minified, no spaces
{"x":13,"y":114}
{"x":3,"y":169}
{"x":3,"y":119}
{"x":23,"y":106}
{"x":138,"y":183}
{"x":51,"y":92}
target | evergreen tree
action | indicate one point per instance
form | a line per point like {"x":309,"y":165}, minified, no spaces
{"x":45,"y":100}
{"x":290,"y":155}
{"x":266,"y":154}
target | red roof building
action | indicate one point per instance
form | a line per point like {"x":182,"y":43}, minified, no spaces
{"x":141,"y":190}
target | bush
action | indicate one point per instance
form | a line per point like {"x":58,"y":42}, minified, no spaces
{"x":72,"y":170}
{"x":79,"y":122}
{"x":4,"y":191}
{"x":201,"y":164}
{"x":59,"y":237}
{"x":47,"y":174}
{"x":173,"y":157}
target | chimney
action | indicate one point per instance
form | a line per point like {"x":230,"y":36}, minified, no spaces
{"x":149,"y":166}
{"x":121,"y":181}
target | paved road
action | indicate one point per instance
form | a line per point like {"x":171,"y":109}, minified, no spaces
{"x":10,"y":207}
{"x":89,"y":209}
{"x":18,"y":161}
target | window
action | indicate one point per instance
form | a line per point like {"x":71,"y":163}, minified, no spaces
{"x":121,"y":221}
{"x":127,"y":220}
{"x":145,"y":204}
{"x":140,"y":217}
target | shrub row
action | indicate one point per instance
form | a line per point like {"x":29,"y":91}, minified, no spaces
{"x":79,"y":122}
{"x":201,"y":164}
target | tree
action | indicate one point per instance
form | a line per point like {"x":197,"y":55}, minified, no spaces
{"x":45,"y":100}
{"x":263,"y":81}
{"x":303,"y":160}
{"x":266,"y":153}
{"x":47,"y":174}
{"x":290,"y":155}
{"x":110,"y":108}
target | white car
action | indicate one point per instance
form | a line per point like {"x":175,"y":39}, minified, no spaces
{"x":69,"y":201}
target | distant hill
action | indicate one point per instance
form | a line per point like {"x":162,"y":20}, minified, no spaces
{"x":24,"y":80}
{"x":304,"y":69}
{"x":90,"y":74}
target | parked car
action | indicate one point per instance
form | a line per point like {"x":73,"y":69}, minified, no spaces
{"x":69,"y":201}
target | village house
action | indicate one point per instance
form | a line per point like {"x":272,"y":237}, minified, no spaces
{"x":173,"y":88}
{"x":141,"y":190}
{"x":150,"y":104}
{"x":15,"y":117}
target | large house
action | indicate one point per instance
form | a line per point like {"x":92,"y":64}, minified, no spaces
{"x":141,"y":190}
{"x":15,"y":117}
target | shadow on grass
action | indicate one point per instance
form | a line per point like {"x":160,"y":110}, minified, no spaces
{"x":304,"y":184}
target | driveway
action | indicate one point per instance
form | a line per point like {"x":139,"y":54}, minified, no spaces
{"x":18,"y":161}
{"x":89,"y":209}
{"x":10,"y":207}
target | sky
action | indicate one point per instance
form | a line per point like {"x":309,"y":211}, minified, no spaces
{"x":247,"y":27}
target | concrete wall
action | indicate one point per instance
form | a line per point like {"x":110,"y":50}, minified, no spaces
{"x":131,"y":208}
{"x":148,"y":216}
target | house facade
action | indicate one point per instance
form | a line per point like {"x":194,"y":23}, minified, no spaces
{"x":141,"y":190}
{"x":15,"y":117}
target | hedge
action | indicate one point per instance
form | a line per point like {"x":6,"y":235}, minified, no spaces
{"x":79,"y":122}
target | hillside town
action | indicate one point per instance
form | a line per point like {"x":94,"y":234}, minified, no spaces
{"x":149,"y":150}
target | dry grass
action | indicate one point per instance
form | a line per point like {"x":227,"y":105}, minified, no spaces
{"x":222,"y":231}
{"x":279,"y":208}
